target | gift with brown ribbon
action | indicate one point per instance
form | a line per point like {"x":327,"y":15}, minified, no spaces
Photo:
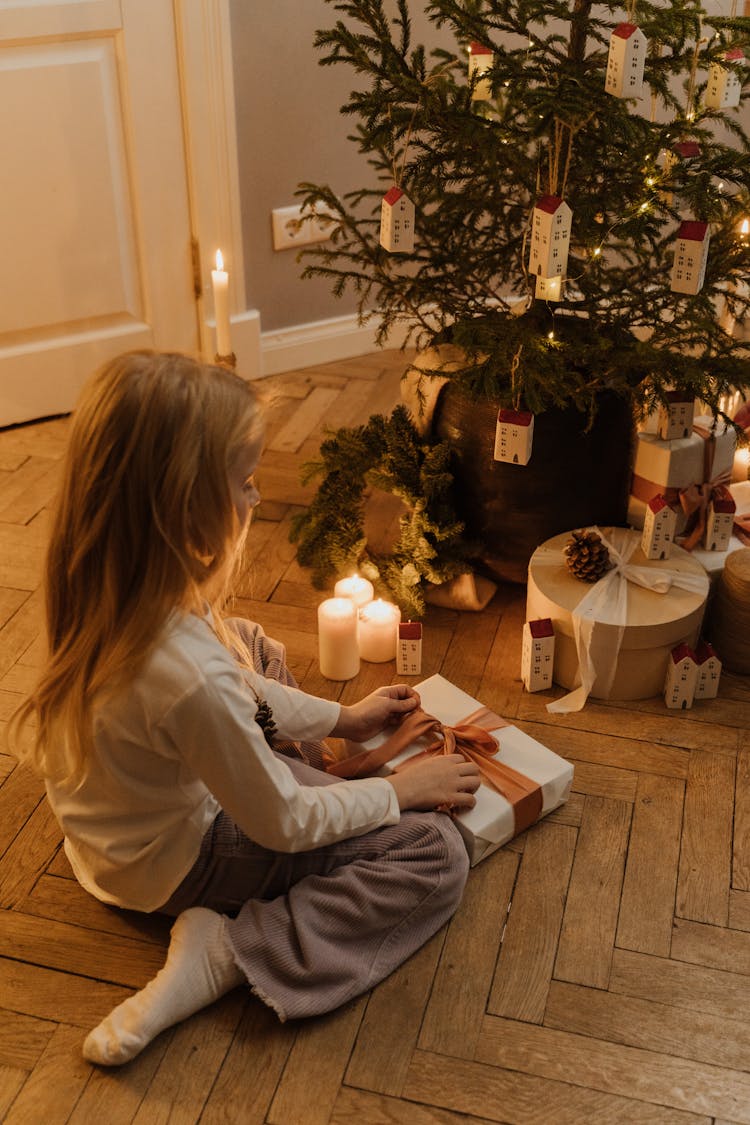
{"x":471,"y":737}
{"x":695,"y":496}
{"x":695,"y":499}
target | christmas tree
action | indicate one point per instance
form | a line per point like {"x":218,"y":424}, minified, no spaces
{"x":572,"y":183}
{"x":522,"y":111}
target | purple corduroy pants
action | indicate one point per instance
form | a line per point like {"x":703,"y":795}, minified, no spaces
{"x":314,"y":929}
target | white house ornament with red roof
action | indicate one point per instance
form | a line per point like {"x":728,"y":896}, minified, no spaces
{"x":682,"y":152}
{"x":690,"y":257}
{"x":682,"y":677}
{"x":397,"y":222}
{"x":626,"y":61}
{"x":409,"y":649}
{"x":481,"y":59}
{"x":720,"y":520}
{"x":724,"y":82}
{"x":538,"y":654}
{"x":709,"y":671}
{"x":675,"y":420}
{"x":550,"y":237}
{"x":514,"y":436}
{"x":658,"y":529}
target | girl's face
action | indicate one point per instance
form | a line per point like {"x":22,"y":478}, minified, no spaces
{"x":244,"y":494}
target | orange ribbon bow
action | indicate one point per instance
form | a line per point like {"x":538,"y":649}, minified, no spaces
{"x":469,"y":737}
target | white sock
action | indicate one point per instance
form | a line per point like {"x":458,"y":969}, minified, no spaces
{"x":199,"y":969}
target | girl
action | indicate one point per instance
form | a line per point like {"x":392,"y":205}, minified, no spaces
{"x":156,"y":722}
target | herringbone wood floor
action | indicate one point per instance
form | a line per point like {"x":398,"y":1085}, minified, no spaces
{"x":616,"y":989}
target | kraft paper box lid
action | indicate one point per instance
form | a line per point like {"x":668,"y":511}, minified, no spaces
{"x":653,"y":619}
{"x":491,"y":823}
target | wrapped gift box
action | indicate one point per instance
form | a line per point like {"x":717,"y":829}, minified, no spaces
{"x":741,"y":496}
{"x":661,"y":466}
{"x":713,"y":561}
{"x":491,"y":823}
{"x":655,"y":623}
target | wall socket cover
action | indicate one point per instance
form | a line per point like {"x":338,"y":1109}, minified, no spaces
{"x":286,"y":237}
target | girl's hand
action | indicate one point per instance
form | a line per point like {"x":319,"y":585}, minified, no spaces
{"x":448,"y":781}
{"x":382,"y":708}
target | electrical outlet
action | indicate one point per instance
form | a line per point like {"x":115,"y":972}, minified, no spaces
{"x":287,"y":237}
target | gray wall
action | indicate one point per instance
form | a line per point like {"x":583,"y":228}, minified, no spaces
{"x":289,"y":129}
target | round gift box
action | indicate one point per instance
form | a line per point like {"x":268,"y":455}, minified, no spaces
{"x":656,"y":623}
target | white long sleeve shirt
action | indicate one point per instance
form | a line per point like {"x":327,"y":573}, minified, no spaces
{"x":179,"y":744}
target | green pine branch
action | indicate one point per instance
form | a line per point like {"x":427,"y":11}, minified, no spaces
{"x":474,"y":169}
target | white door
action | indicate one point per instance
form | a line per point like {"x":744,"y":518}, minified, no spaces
{"x":95,"y":249}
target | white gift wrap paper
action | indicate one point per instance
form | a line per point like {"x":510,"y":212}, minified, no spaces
{"x":638,"y":605}
{"x":681,"y":462}
{"x":490,"y":824}
{"x":671,"y":464}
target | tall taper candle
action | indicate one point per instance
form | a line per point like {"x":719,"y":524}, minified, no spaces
{"x":220,"y":280}
{"x":338,"y":654}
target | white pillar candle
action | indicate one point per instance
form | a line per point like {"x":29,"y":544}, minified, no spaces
{"x":338,"y":654}
{"x":220,"y":280}
{"x":358,"y":589}
{"x":378,"y":629}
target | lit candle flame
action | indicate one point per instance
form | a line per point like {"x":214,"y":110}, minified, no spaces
{"x":745,"y":228}
{"x":219,"y":260}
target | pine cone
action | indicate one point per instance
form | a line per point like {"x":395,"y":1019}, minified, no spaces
{"x":586,"y":556}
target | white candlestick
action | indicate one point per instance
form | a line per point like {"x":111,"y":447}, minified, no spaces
{"x":338,"y":654}
{"x":220,"y":280}
{"x":378,"y":629}
{"x":358,"y":589}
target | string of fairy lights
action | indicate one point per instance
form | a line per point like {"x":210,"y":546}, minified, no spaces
{"x":550,"y":219}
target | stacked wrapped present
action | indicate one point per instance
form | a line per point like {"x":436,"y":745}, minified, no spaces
{"x":687,"y":462}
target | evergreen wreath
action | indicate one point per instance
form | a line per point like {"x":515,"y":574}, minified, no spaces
{"x":385,"y":453}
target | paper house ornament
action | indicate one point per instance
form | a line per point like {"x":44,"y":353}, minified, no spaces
{"x":481,"y":59}
{"x":724,"y":82}
{"x":537,"y":654}
{"x":409,"y":649}
{"x":683,"y":152}
{"x":658,"y":529}
{"x":690,"y":257}
{"x":682,"y":677}
{"x":676,"y":418}
{"x":397,"y":222}
{"x":549,"y":288}
{"x":709,"y":671}
{"x":550,"y":237}
{"x":626,"y":60}
{"x":720,"y":520}
{"x":514,"y":436}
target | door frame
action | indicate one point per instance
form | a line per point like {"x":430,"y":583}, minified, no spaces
{"x":204,"y":45}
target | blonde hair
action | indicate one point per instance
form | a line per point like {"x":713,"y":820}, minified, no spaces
{"x":144,"y":524}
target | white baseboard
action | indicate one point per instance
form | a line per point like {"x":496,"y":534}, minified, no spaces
{"x":321,"y":341}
